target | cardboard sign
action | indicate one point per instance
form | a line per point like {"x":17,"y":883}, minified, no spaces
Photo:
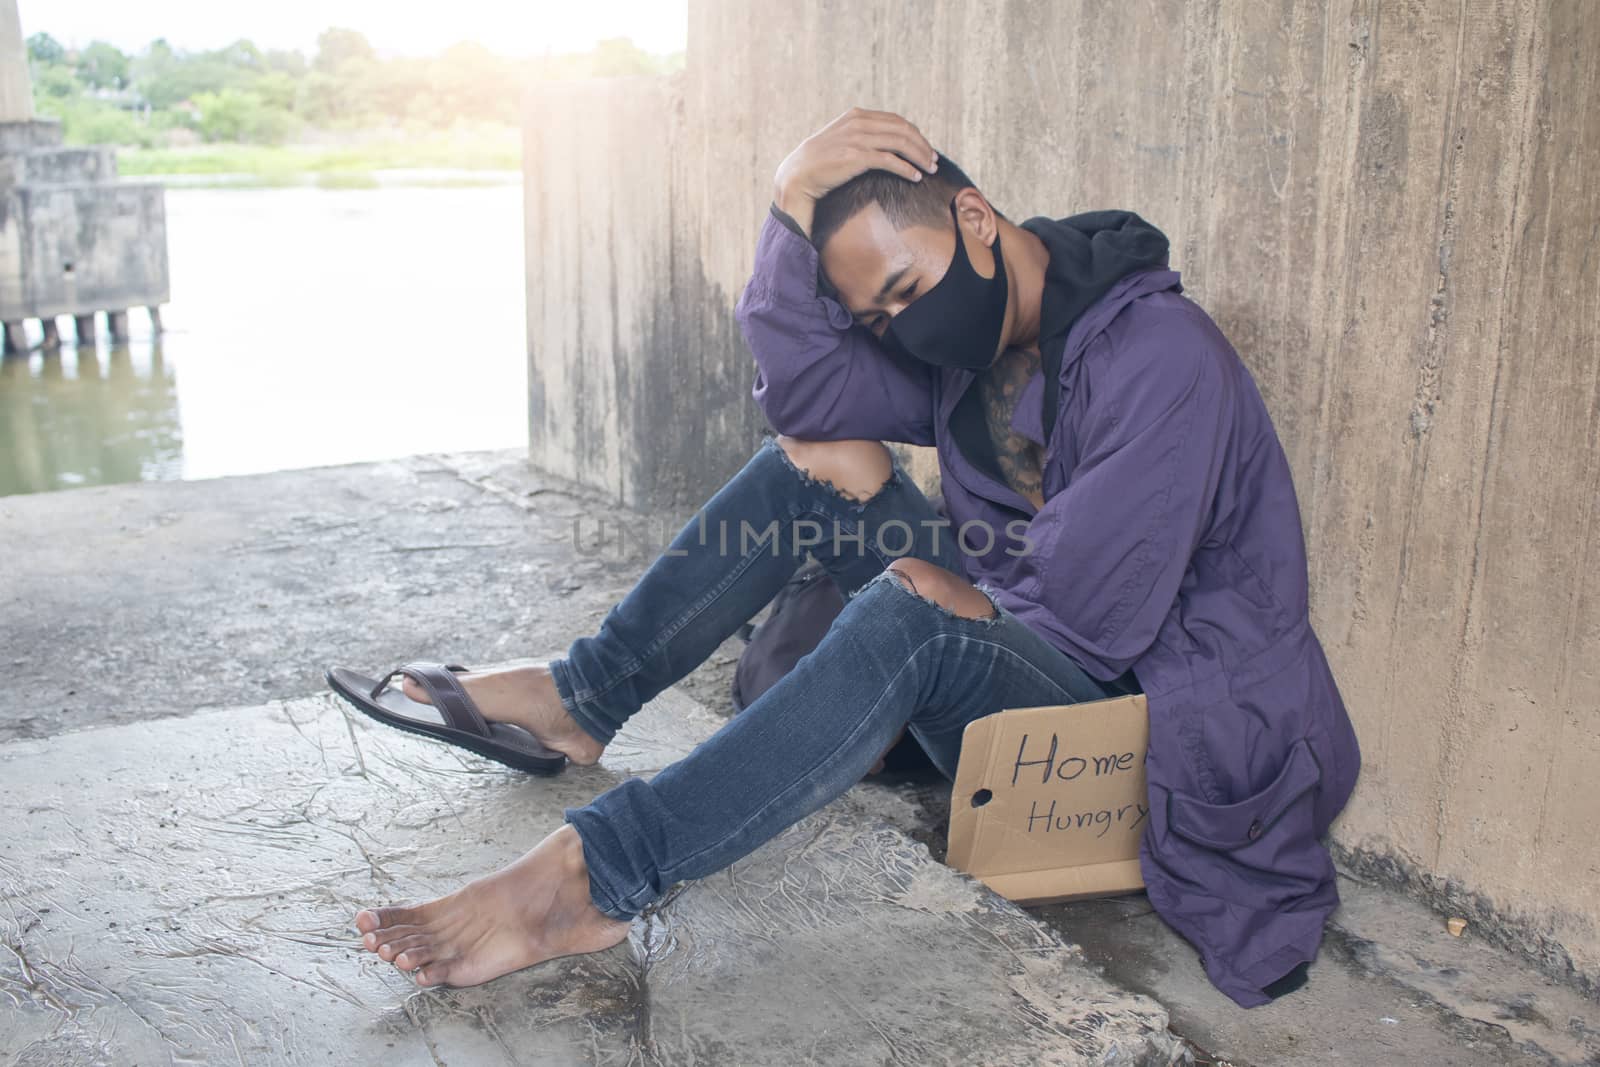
{"x":1050,"y":802}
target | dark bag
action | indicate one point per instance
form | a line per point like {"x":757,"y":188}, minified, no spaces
{"x":799,"y":617}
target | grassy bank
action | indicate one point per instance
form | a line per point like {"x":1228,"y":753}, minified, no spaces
{"x":347,"y":165}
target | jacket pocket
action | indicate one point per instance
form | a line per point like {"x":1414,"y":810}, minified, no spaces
{"x":1262,"y":852}
{"x":1237,"y":825}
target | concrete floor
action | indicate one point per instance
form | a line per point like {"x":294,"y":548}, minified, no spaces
{"x":135,"y":607}
{"x":1390,"y":985}
{"x":189,"y":900}
{"x":123,"y":603}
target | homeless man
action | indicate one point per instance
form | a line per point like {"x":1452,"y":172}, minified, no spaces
{"x":1119,"y":517}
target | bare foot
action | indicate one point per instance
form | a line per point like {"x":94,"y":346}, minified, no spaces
{"x":534,"y":910}
{"x":525,"y":697}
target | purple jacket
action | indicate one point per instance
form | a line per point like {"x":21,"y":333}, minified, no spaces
{"x":1169,"y":543}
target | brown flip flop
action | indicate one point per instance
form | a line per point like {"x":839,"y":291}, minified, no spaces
{"x":452,"y":716}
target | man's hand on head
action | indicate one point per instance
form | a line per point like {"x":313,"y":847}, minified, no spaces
{"x":854,"y":143}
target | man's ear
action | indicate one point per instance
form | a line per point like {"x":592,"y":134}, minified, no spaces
{"x":976,"y":216}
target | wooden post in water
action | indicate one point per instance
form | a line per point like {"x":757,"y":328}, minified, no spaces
{"x":52,"y":337}
{"x":155,"y":319}
{"x":117,"y":326}
{"x":83,"y":328}
{"x":16,"y":339}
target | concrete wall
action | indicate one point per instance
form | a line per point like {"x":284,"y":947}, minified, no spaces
{"x":631,"y":343}
{"x":1390,"y":207}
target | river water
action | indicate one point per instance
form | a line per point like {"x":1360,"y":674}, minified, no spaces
{"x":307,"y":327}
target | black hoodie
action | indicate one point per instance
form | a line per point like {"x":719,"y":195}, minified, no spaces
{"x":1089,"y":253}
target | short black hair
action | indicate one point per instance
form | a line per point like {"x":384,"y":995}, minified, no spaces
{"x":905,"y":202}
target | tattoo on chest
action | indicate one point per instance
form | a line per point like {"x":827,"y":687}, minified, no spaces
{"x":1000,"y":387}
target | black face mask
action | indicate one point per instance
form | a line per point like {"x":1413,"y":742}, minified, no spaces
{"x":957,"y":323}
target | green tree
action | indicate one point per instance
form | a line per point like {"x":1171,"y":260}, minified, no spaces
{"x":277,"y":90}
{"x":85,"y":120}
{"x":46,"y":50}
{"x":401,"y":87}
{"x":154,"y":71}
{"x":286,"y":61}
{"x":241,"y":93}
{"x":101,"y":124}
{"x":243,"y":54}
{"x":166,"y":78}
{"x":242,"y":116}
{"x":54,"y":83}
{"x":102,"y":66}
{"x":336,"y":47}
{"x":340,"y":99}
{"x":619,"y":56}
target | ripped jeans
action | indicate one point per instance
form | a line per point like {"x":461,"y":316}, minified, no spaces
{"x":891,"y":660}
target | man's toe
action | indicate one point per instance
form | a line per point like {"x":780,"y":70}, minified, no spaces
{"x":389,"y":919}
{"x":414,"y":956}
{"x":434,"y":974}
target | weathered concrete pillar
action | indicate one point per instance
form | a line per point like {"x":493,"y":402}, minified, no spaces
{"x":117,"y":326}
{"x":16,"y":339}
{"x":16,"y":97}
{"x":614,"y":367}
{"x":52,"y":336}
{"x":83,"y":328}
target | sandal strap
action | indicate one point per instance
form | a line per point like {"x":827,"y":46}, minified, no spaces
{"x":446,"y":692}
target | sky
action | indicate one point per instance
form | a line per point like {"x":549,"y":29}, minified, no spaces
{"x":508,"y":27}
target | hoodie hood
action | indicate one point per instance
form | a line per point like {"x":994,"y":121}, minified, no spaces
{"x":1089,"y":254}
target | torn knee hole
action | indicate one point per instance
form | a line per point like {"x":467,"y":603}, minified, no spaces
{"x":855,"y":496}
{"x":847,"y":458}
{"x":945,"y":591}
{"x":905,"y":582}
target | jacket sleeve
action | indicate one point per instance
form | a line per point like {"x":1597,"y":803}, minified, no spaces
{"x":1108,"y":552}
{"x":819,"y":375}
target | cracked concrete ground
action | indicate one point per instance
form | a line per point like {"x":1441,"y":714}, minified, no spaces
{"x":190,"y":901}
{"x":142,"y":604}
